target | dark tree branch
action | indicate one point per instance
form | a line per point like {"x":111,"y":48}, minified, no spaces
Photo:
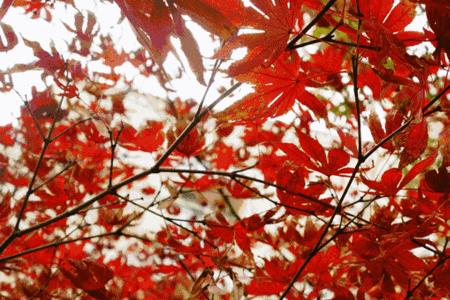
{"x":311,"y":24}
{"x":234,"y":175}
{"x":46,"y":142}
{"x":440,"y":262}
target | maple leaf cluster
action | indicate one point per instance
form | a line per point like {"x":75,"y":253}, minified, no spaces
{"x":315,"y":165}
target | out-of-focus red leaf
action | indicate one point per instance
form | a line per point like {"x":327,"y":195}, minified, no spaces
{"x":389,"y":182}
{"x":4,"y":8}
{"x":393,"y":121}
{"x":438,"y":15}
{"x":210,"y":14}
{"x":256,"y":222}
{"x":189,"y":46}
{"x":298,"y":194}
{"x":239,"y":191}
{"x":391,"y":178}
{"x":5,"y":206}
{"x":52,"y":62}
{"x":264,"y":286}
{"x":44,"y":105}
{"x":168,"y":269}
{"x":88,"y":275}
{"x":442,"y":275}
{"x":438,"y":181}
{"x":155,"y":22}
{"x":224,"y":233}
{"x":418,"y":168}
{"x":416,"y":143}
{"x":148,"y":139}
{"x":6,"y":135}
{"x":400,"y":16}
{"x":337,"y":159}
{"x":203,"y":183}
{"x":193,"y":142}
{"x":148,"y":190}
{"x":110,"y":55}
{"x":84,"y":35}
{"x":11,"y":37}
{"x":410,"y":262}
{"x":152,"y":23}
{"x":411,"y":38}
{"x":240,"y":235}
{"x":377,"y":130}
{"x":312,"y":147}
{"x":224,"y":156}
{"x":326,"y":66}
{"x":349,"y":142}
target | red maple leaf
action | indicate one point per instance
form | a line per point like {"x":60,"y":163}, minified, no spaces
{"x":274,"y":23}
{"x":276,"y":89}
{"x":384,"y":24}
{"x":88,"y":275}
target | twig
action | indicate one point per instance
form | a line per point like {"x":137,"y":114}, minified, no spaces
{"x":435,"y":99}
{"x":46,"y":143}
{"x":169,"y":220}
{"x":311,"y":24}
{"x":67,"y":167}
{"x":234,"y":175}
{"x":317,"y":246}
{"x":440,"y":262}
{"x":70,"y":128}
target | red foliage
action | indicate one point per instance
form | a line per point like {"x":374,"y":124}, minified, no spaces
{"x":326,"y":178}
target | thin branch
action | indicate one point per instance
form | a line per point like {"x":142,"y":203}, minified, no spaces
{"x":329,"y":39}
{"x":302,"y":210}
{"x":46,"y":143}
{"x":51,"y":245}
{"x":350,"y":44}
{"x":113,"y":142}
{"x":234,"y":175}
{"x":47,"y":181}
{"x":355,"y":60}
{"x":36,"y":123}
{"x":169,"y":220}
{"x":357,"y":102}
{"x":70,"y":128}
{"x":341,"y":230}
{"x":435,"y":99}
{"x":311,"y":24}
{"x":317,"y":246}
{"x":222,"y":193}
{"x":229,"y":204}
{"x":440,"y":262}
{"x":216,"y":67}
{"x":386,"y":139}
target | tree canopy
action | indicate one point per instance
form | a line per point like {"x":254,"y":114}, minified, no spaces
{"x":314,"y":164}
